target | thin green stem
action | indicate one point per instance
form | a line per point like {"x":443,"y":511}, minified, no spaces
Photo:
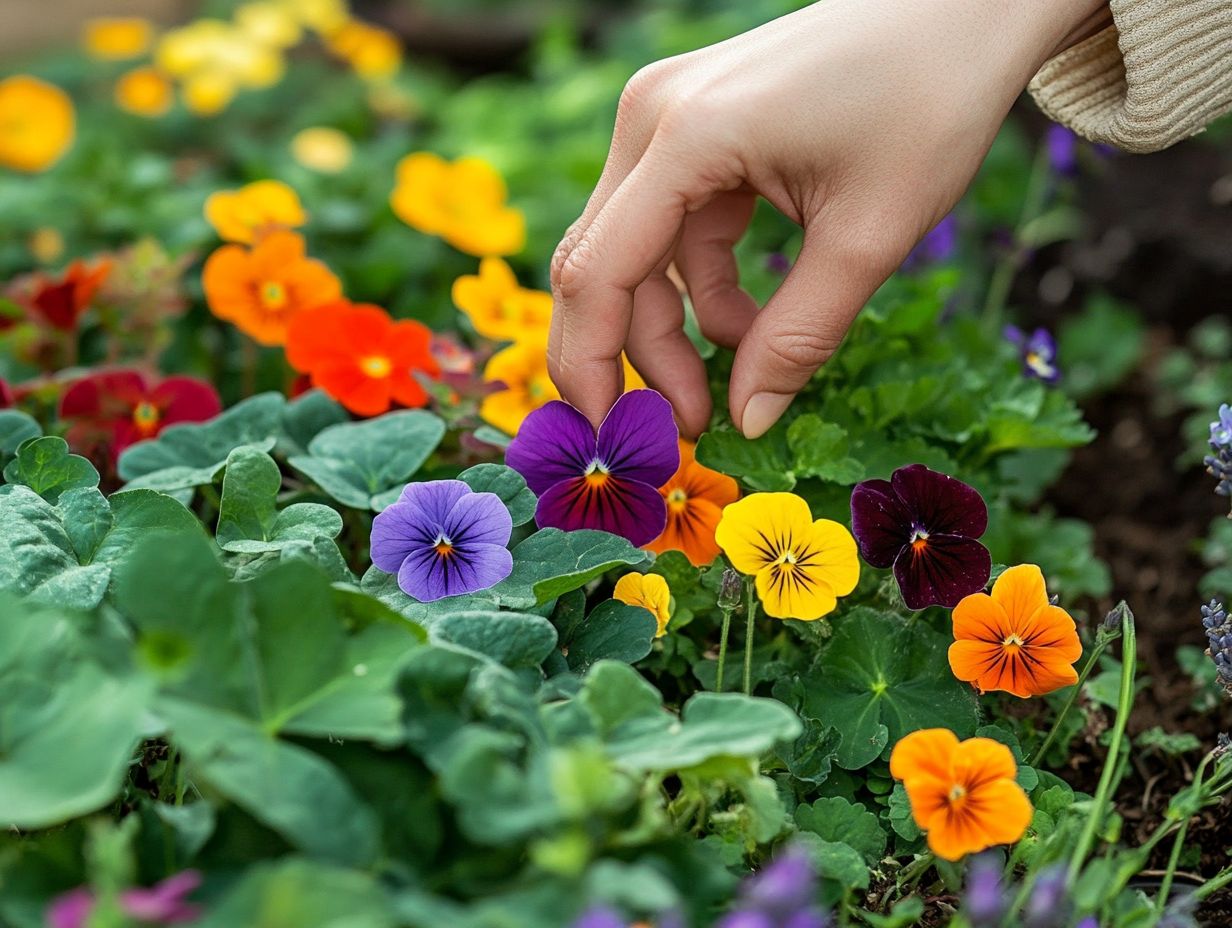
{"x":1129,"y":664}
{"x":1101,"y":644}
{"x":1214,"y":884}
{"x":750,"y":601}
{"x":1006,"y":270}
{"x":718,"y":678}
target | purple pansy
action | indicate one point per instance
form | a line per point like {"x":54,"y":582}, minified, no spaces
{"x":986,"y":902}
{"x":1062,"y":146}
{"x":782,"y":895}
{"x":442,"y":539}
{"x":925,"y":525}
{"x":162,"y":904}
{"x":1038,"y":352}
{"x":608,"y":482}
{"x":938,"y":244}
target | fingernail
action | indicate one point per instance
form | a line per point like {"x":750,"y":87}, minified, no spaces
{"x":762,"y":411}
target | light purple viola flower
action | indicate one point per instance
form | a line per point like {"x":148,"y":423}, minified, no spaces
{"x":787,"y":883}
{"x":985,"y":902}
{"x":1038,"y":352}
{"x":608,"y":482}
{"x":442,"y":539}
{"x":1048,"y":906}
{"x":937,"y":245}
{"x":600,"y":917}
{"x":1062,"y":147}
{"x":162,"y":904}
{"x":1221,"y":428}
{"x":925,"y":525}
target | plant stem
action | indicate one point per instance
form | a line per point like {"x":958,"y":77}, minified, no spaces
{"x":750,"y":600}
{"x":718,"y":679}
{"x":1129,"y":664}
{"x":1214,"y":884}
{"x":1101,"y":644}
{"x":1007,"y":268}
{"x":1165,"y":886}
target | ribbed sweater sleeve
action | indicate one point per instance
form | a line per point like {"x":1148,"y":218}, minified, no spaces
{"x":1159,"y":75}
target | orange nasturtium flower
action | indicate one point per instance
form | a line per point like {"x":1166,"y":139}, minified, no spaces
{"x":498,"y":307}
{"x":695,"y":499}
{"x":1015,"y":640}
{"x":254,"y":210}
{"x":799,"y":566}
{"x":462,"y":201}
{"x":117,"y":38}
{"x":36,"y":123}
{"x":964,"y":794}
{"x":372,"y":52}
{"x":361,"y":357}
{"x":144,"y":92}
{"x":262,"y":289}
{"x":651,"y":592}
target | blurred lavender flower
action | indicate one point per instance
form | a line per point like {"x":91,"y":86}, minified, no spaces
{"x":1038,"y":352}
{"x":1219,"y":464}
{"x":1180,"y":913}
{"x":937,"y":245}
{"x":1088,"y":922}
{"x":985,"y":902}
{"x":600,"y":917}
{"x":1062,"y":147}
{"x":1219,"y":635}
{"x":780,"y":896}
{"x":1047,"y":907}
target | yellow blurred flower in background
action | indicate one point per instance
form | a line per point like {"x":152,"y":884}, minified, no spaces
{"x":145,"y":92}
{"x":215,"y":60}
{"x":372,"y":52}
{"x":46,"y":245}
{"x":37,"y":123}
{"x":253,"y":211}
{"x":461,"y":201}
{"x":270,"y":23}
{"x":117,"y":38}
{"x":209,"y":92}
{"x":498,"y":307}
{"x":321,"y":148}
{"x":323,"y":16}
{"x":523,"y":369}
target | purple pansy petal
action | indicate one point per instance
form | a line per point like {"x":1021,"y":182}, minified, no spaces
{"x":396,"y":532}
{"x":880,"y":522}
{"x":747,"y":918}
{"x":1062,"y":149}
{"x":164,"y":902}
{"x":434,"y":498}
{"x":940,"y":504}
{"x":71,"y":909}
{"x":634,"y":510}
{"x":478,"y":519}
{"x":554,"y":443}
{"x":942,"y":571}
{"x":428,"y":576}
{"x":1014,"y":335}
{"x":600,"y":917}
{"x":639,"y":440}
{"x":1042,"y":343}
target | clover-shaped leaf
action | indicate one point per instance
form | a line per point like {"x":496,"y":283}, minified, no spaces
{"x":46,"y":467}
{"x":550,"y":563}
{"x":15,"y":427}
{"x":249,"y":521}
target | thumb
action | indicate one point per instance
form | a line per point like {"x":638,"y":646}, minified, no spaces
{"x":801,"y":327}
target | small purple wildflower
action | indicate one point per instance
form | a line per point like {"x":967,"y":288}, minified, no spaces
{"x":985,"y":902}
{"x":1062,"y":150}
{"x":442,"y":539}
{"x":1088,"y":922}
{"x":161,"y":904}
{"x":782,"y":895}
{"x":608,"y":482}
{"x":925,"y":525}
{"x":1221,"y":428}
{"x":1219,"y":464}
{"x":1038,"y":352}
{"x":600,"y":917}
{"x":938,"y":244}
{"x":1048,"y":907}
{"x":1219,"y":636}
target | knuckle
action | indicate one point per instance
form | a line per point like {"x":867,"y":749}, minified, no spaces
{"x":801,"y":351}
{"x":642,"y":88}
{"x":575,"y":272}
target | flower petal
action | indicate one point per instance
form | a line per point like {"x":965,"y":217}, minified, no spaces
{"x":1002,"y":810}
{"x":186,"y":399}
{"x":1021,"y":592}
{"x":830,"y":555}
{"x":787,"y":592}
{"x":756,"y":530}
{"x":940,"y":504}
{"x":880,"y":522}
{"x":941,"y":571}
{"x":553,"y":444}
{"x":428,"y":576}
{"x":924,"y":752}
{"x":979,"y":617}
{"x":977,"y":662}
{"x":1053,"y":628}
{"x":478,"y":519}
{"x":691,"y":531}
{"x":979,"y":760}
{"x":638,"y":439}
{"x":628,"y":508}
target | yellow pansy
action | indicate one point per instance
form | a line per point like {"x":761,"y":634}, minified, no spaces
{"x":208,"y":93}
{"x":215,"y":59}
{"x":36,"y":123}
{"x":324,"y":16}
{"x":498,"y":307}
{"x":462,"y":201}
{"x":46,"y":245}
{"x":145,"y":92}
{"x":323,"y":149}
{"x":651,"y":592}
{"x":117,"y":38}
{"x":523,"y":369}
{"x":800,"y":566}
{"x":269,"y":23}
{"x":246,"y":214}
{"x":372,"y":52}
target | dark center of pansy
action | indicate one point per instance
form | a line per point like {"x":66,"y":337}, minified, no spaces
{"x":919,"y":539}
{"x":444,"y":547}
{"x":596,"y":475}
{"x":1013,"y":641}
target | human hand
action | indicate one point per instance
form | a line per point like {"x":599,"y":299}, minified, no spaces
{"x":861,"y":120}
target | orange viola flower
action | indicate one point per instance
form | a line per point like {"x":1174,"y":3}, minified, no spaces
{"x":254,"y":210}
{"x":361,"y":357}
{"x":261,"y":290}
{"x":1015,"y":640}
{"x":964,"y":794}
{"x":695,"y":498}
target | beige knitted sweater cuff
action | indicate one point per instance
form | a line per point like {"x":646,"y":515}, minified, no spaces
{"x":1160,"y":74}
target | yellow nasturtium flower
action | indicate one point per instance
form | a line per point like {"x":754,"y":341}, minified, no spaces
{"x":651,"y":592}
{"x":145,"y":92}
{"x":323,"y":149}
{"x":246,"y":214}
{"x":372,"y":52}
{"x":461,"y":201}
{"x":270,"y":23}
{"x":523,"y":369}
{"x":498,"y":307}
{"x":324,"y":16}
{"x":800,"y":566}
{"x":37,"y":123}
{"x":117,"y":38}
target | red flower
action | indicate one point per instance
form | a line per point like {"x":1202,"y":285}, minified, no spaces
{"x":7,"y":399}
{"x":117,"y":408}
{"x":61,"y":303}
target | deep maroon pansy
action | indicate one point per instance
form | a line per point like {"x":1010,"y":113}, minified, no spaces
{"x":608,"y":481}
{"x":1038,"y":352}
{"x":925,"y":525}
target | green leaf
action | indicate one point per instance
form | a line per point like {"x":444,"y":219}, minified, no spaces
{"x":357,"y":462}
{"x":833,"y":818}
{"x":880,"y":678}
{"x":835,"y":861}
{"x":811,"y":757}
{"x":762,"y":464}
{"x":615,"y":693}
{"x":291,"y":893}
{"x":711,"y":725}
{"x":821,"y":449}
{"x":192,"y":454}
{"x":304,"y":418}
{"x":46,"y":467}
{"x":1100,"y":346}
{"x":506,"y":483}
{"x":612,"y":631}
{"x":901,"y":819}
{"x":906,"y":912}
{"x":249,"y":521}
{"x":67,"y":728}
{"x":511,"y":638}
{"x":550,"y":563}
{"x":15,"y":428}
{"x":1036,"y":418}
